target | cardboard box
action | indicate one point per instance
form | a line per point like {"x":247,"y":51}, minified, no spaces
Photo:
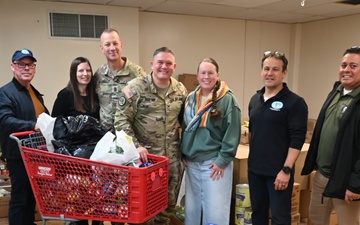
{"x":295,"y":199}
{"x":304,"y":203}
{"x":37,"y":214}
{"x":244,"y":139}
{"x":174,"y":220}
{"x":308,"y":137}
{"x":189,"y":81}
{"x":295,"y":219}
{"x":4,"y":206}
{"x":311,"y":124}
{"x":298,"y":178}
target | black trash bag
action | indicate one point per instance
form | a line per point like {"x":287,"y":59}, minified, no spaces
{"x":77,"y":136}
{"x":77,"y":128}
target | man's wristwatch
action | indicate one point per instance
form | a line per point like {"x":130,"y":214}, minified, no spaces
{"x":287,"y":170}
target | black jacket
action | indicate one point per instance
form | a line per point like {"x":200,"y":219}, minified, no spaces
{"x":345,"y":166}
{"x":17,"y":113}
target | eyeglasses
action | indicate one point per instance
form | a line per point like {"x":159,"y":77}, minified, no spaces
{"x":270,"y":53}
{"x":22,"y":65}
{"x":356,"y":47}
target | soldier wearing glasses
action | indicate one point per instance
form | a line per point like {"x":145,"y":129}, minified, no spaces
{"x":277,"y":126}
{"x":20,"y":105}
{"x":334,"y":150}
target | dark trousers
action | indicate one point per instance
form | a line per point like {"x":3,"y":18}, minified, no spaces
{"x":22,"y":201}
{"x":263,"y":196}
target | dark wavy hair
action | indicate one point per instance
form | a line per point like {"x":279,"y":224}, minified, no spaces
{"x":90,"y":88}
{"x":215,"y":112}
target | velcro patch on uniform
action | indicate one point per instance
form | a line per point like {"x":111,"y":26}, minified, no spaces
{"x":122,"y":101}
{"x":127,"y":92}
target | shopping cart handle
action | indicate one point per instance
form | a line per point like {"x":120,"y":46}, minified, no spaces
{"x":22,"y":133}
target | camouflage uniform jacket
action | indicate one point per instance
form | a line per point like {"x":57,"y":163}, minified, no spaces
{"x":109,"y":87}
{"x":152,"y":120}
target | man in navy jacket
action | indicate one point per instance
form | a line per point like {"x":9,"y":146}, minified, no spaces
{"x":20,"y":105}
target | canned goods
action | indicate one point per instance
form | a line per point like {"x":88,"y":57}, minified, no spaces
{"x":247,"y":216}
{"x":242,"y":195}
{"x":239,"y":215}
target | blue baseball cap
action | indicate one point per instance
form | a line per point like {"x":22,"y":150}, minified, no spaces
{"x":19,"y":54}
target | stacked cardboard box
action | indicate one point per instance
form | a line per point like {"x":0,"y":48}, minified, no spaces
{"x":189,"y":81}
{"x":310,"y":129}
{"x":4,"y":200}
{"x":295,"y":219}
{"x":295,"y":199}
{"x":295,"y":205}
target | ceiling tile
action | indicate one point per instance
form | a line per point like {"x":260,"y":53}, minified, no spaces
{"x":141,"y":4}
{"x":199,"y":1}
{"x":247,"y":3}
{"x":283,"y":11}
{"x":252,"y":14}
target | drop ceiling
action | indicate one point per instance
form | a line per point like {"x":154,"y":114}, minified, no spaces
{"x":281,"y":11}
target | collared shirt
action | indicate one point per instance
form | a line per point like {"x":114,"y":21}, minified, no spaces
{"x":330,"y":128}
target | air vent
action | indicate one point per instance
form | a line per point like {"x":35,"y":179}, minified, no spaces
{"x":77,"y":25}
{"x":350,"y":2}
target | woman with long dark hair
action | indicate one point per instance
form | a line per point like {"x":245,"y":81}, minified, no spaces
{"x":79,"y":96}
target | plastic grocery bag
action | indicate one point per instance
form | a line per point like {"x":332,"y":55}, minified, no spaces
{"x":46,"y":125}
{"x":119,"y":149}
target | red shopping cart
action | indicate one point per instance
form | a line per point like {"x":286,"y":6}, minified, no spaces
{"x":70,"y":188}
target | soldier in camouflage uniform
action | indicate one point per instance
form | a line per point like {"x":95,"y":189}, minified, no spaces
{"x":113,"y":76}
{"x":149,"y":111}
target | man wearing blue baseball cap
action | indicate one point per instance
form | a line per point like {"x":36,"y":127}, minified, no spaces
{"x":20,"y":105}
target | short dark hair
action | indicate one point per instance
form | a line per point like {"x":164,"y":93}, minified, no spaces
{"x":276,"y":55}
{"x":353,"y":49}
{"x":163,"y":49}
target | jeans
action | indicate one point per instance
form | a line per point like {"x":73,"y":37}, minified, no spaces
{"x":207,"y":200}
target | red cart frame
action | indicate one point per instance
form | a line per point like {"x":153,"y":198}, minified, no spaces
{"x":70,"y":188}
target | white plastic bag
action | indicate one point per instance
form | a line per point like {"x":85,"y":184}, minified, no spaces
{"x":106,"y":149}
{"x":46,"y":125}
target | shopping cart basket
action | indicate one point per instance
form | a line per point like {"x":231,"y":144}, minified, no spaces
{"x":70,"y":188}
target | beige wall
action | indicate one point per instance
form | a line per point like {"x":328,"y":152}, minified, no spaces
{"x":322,"y":46}
{"x":313,"y":49}
{"x":24,"y":24}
